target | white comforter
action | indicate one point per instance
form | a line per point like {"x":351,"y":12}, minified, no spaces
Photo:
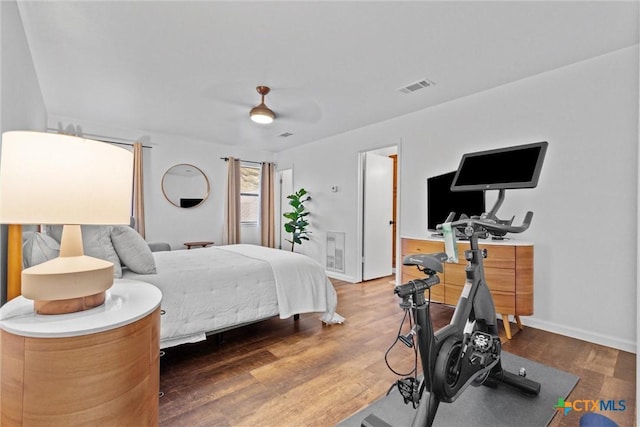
{"x":217,"y":288}
{"x":301,"y":284}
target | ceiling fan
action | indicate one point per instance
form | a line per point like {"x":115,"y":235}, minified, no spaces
{"x":261,"y":113}
{"x":295,"y":105}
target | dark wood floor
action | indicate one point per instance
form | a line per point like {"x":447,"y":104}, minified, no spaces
{"x":304,"y":373}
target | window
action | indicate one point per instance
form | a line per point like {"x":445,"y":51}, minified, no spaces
{"x":249,"y":194}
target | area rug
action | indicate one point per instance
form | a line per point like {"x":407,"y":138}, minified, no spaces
{"x":484,"y":406}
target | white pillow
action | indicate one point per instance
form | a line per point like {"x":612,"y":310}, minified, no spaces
{"x":132,"y":249}
{"x":38,"y":248}
{"x":96,"y":241}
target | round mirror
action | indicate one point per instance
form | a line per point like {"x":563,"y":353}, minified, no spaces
{"x":185,"y":186}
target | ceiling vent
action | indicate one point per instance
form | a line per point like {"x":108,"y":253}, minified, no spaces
{"x":413,"y":87}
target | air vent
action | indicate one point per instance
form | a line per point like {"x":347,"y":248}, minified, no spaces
{"x":413,"y":87}
{"x":285,"y":134}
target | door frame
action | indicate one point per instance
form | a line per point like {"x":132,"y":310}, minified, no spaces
{"x":360,"y":208}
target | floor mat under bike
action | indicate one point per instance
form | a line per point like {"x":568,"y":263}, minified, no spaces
{"x":484,"y":406}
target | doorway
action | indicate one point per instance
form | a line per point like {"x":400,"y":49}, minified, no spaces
{"x":378,"y":212}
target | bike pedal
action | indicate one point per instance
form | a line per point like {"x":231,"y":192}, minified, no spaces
{"x":408,"y":388}
{"x":482,"y":342}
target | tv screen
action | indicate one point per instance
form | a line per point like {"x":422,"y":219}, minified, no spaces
{"x":441,"y":200}
{"x":189,"y":203}
{"x":502,"y":168}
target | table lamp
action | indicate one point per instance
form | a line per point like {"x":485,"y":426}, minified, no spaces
{"x":61,"y":179}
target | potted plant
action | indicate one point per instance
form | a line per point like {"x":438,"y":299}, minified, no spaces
{"x":298,"y":223}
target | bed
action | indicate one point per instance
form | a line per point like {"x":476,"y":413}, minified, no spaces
{"x":217,"y":288}
{"x":207,"y":290}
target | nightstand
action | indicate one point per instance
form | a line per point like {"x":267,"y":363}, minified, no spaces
{"x":96,"y":367}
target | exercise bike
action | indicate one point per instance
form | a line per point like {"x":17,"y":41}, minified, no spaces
{"x":467,"y":350}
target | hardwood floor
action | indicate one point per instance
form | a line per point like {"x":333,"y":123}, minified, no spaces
{"x":303,"y":373}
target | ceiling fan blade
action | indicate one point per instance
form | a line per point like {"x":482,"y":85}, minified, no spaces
{"x":238,"y":94}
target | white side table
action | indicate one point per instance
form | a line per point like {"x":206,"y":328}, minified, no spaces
{"x":95,"y":367}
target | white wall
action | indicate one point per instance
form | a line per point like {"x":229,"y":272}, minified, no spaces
{"x":319,"y":166}
{"x":584,"y":227}
{"x":21,"y":103}
{"x":164,"y":221}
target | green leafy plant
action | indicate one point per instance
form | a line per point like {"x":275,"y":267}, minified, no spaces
{"x":298,"y":223}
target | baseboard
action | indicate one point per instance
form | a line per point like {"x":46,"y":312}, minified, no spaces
{"x":580,"y":334}
{"x":340,"y":276}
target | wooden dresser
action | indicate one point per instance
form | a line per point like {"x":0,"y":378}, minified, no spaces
{"x":508,"y":270}
{"x":98,"y":367}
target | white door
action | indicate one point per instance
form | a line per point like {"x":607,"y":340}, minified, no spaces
{"x":378,"y":216}
{"x":286,"y":187}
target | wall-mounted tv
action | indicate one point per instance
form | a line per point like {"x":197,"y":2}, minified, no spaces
{"x":441,"y":200}
{"x":500,"y":169}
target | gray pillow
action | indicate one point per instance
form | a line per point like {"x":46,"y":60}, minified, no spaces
{"x":96,"y":241}
{"x":38,"y":248}
{"x":54,"y":231}
{"x":26,"y":235}
{"x":133,"y":250}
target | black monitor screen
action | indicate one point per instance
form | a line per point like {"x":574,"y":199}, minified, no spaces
{"x":503,"y":168}
{"x":441,"y":200}
{"x":189,"y":203}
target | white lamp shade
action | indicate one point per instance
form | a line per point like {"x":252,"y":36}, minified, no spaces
{"x":60,"y":179}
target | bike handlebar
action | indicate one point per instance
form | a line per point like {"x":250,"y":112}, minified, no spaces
{"x":492,"y":225}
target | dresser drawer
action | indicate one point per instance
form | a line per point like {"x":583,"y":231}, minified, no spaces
{"x":505,"y":302}
{"x":497,"y":256}
{"x":498,"y":279}
{"x":413,"y":246}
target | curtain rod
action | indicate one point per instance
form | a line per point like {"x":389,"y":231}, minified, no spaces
{"x":101,"y":138}
{"x":226,"y":159}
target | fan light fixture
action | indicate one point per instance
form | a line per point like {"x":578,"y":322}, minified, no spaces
{"x":261,"y":113}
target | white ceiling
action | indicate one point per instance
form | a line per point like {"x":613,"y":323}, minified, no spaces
{"x":191,"y":68}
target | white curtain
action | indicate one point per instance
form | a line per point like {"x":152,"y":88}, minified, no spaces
{"x":138,"y":189}
{"x":232,"y":208}
{"x":267,"y":201}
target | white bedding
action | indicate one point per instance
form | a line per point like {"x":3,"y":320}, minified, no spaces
{"x":217,"y":288}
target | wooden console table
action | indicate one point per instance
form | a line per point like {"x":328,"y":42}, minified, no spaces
{"x":203,"y":244}
{"x":508,"y":270}
{"x":90,"y":368}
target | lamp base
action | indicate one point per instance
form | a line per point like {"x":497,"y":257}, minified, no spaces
{"x":67,"y":284}
{"x":71,"y":305}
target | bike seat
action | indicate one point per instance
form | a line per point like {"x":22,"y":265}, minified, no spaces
{"x":427,"y":261}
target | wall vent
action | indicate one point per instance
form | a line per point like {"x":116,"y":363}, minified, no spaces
{"x":413,"y":87}
{"x":335,"y":251}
